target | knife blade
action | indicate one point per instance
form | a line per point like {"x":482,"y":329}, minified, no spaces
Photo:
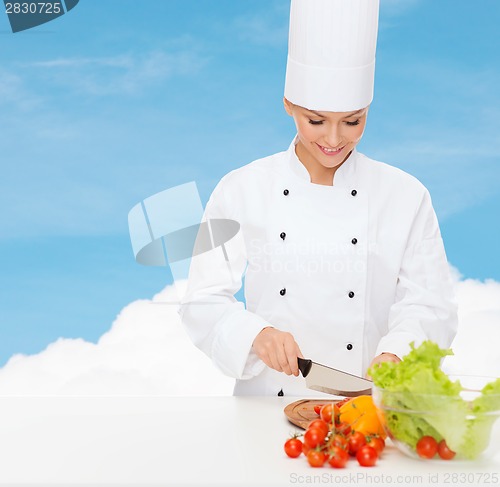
{"x":332,"y":381}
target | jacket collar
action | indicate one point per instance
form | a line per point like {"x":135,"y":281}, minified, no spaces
{"x":344,"y":175}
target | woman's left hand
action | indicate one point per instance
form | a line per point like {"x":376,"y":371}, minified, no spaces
{"x":383,"y":357}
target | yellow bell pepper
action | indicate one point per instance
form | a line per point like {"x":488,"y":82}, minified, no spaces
{"x":361,"y":414}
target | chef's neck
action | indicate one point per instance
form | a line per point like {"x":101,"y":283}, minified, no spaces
{"x":318,"y":173}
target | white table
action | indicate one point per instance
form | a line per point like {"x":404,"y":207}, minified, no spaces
{"x":185,"y":441}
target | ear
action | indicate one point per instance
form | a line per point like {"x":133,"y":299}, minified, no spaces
{"x":288,"y":106}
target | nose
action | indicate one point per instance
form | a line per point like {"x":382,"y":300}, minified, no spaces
{"x":333,"y":137}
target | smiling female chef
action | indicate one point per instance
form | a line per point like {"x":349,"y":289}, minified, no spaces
{"x":342,"y":255}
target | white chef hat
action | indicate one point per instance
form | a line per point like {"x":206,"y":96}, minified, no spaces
{"x":331,"y":54}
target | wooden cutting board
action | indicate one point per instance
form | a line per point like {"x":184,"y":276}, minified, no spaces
{"x":301,"y":413}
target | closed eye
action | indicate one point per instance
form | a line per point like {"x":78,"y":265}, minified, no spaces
{"x":316,"y":122}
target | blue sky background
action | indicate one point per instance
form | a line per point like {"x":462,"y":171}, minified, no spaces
{"x":120,"y":99}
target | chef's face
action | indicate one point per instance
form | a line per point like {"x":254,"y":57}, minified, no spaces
{"x":326,"y":138}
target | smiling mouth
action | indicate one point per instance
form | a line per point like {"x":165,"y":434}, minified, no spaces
{"x":330,"y":152}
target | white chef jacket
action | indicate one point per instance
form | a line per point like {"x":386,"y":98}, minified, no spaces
{"x":350,"y":270}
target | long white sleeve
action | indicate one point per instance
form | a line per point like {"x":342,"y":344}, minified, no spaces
{"x":216,"y":322}
{"x":424,"y":307}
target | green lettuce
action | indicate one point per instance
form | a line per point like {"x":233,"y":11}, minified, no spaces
{"x":478,"y":432}
{"x":422,"y":400}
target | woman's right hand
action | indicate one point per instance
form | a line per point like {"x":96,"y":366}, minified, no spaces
{"x":278,"y":350}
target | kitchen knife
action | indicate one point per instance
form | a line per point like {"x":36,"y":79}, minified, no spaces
{"x":332,"y":381}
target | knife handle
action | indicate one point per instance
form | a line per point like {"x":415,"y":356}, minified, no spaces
{"x":304,"y":365}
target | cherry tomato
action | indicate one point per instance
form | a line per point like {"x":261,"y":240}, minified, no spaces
{"x":305,"y":449}
{"x":343,"y":428}
{"x":293,"y":447}
{"x":326,"y":413}
{"x":338,"y":440}
{"x":444,"y":451}
{"x":319,"y":424}
{"x":317,"y":408}
{"x":355,"y":441}
{"x":314,"y":437}
{"x":338,"y":457}
{"x":427,"y":447}
{"x":367,"y":456}
{"x":316,"y":458}
{"x":376,"y":442}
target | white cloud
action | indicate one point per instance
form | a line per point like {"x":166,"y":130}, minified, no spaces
{"x":267,"y":27}
{"x":392,"y":10}
{"x":124,"y":74}
{"x":441,"y":143}
{"x":476,"y":346}
{"x":147,"y":352}
{"x":120,"y":61}
{"x":14,"y":91}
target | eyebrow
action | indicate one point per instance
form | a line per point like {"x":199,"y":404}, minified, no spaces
{"x":347,"y":116}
